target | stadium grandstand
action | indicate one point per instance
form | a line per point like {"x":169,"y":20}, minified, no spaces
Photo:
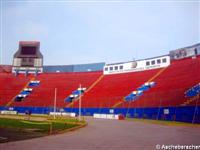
{"x":163,"y":88}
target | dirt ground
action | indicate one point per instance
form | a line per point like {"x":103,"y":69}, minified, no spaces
{"x":10,"y":134}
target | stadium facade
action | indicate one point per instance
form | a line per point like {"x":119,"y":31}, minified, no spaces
{"x":165,"y":87}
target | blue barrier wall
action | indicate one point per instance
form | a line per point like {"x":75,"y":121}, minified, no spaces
{"x":183,"y":114}
{"x":61,"y":68}
{"x":75,"y":68}
{"x":89,"y":67}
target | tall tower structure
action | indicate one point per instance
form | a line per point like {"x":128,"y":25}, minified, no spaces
{"x":28,"y":58}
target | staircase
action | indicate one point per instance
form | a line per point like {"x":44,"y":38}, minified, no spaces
{"x":150,"y":80}
{"x":189,"y":101}
{"x":13,"y":99}
{"x":93,"y":84}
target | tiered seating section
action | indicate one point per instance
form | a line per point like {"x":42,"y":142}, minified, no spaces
{"x":75,"y":94}
{"x":194,"y":91}
{"x":5,"y":68}
{"x":20,"y":97}
{"x":27,"y":91}
{"x":170,"y":88}
{"x":113,"y":88}
{"x":136,"y":94}
{"x":43,"y":95}
{"x":11,"y":86}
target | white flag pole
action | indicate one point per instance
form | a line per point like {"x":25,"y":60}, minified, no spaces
{"x":55,"y":96}
{"x":80,"y":92}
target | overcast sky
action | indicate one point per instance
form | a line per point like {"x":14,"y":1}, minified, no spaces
{"x":76,"y":32}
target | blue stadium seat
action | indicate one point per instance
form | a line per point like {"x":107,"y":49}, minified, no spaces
{"x":75,"y":94}
{"x":193,"y":91}
{"x":34,"y":83}
{"x":68,"y":99}
{"x":135,"y":94}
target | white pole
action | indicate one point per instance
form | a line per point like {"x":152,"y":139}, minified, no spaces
{"x":195,"y":110}
{"x":80,"y":102}
{"x":1,"y":33}
{"x":55,"y":103}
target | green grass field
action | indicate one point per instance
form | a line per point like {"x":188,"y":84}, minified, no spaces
{"x":19,"y":127}
{"x":43,"y":126}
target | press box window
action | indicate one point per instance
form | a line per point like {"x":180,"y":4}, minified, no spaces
{"x":120,"y":67}
{"x":106,"y":69}
{"x":147,"y":63}
{"x":111,"y":68}
{"x":116,"y":67}
{"x":153,"y":62}
{"x":164,"y":60}
{"x":158,"y":61}
{"x":30,"y":60}
{"x":23,"y":59}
